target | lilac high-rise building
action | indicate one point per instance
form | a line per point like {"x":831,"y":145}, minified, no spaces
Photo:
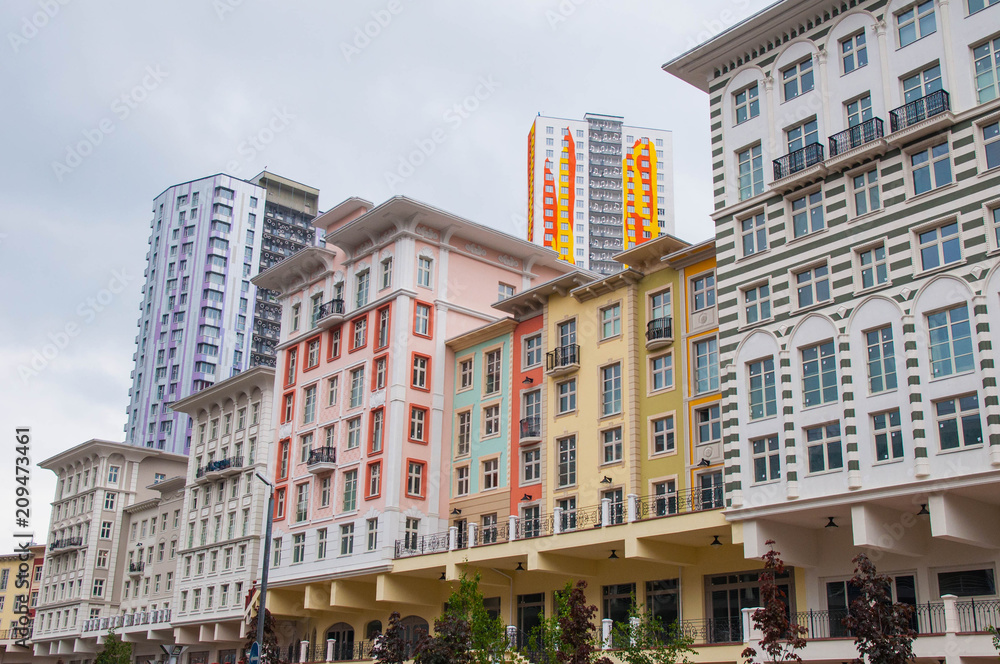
{"x":201,"y":319}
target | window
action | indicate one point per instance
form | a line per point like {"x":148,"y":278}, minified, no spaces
{"x":357,"y":386}
{"x":359,"y":337}
{"x":324,"y":494}
{"x":711,"y":490}
{"x":747,"y":104}
{"x":881,"y":360}
{"x":611,"y":390}
{"x":611,"y":445}
{"x":531,"y":465}
{"x":663,"y":435}
{"x":763,"y":397}
{"x":567,"y":333}
{"x":334,"y":351}
{"x":462,"y":481}
{"x":819,"y":374}
{"x":464,"y":435}
{"x":823,"y":448}
{"x":950,"y":342}
{"x":797,"y":79}
{"x":424,"y":266}
{"x":866,"y":192}
{"x":567,"y":461}
{"x":361,"y":289}
{"x":381,"y":369}
{"x":611,"y":321}
{"x":967,"y":583}
{"x":566,"y":392}
{"x":113,"y":474}
{"x":350,"y":490}
{"x":661,"y":371}
{"x":411,"y":532}
{"x":298,"y":548}
{"x":706,"y":365}
{"x":109,"y":500}
{"x":493,"y":360}
{"x":419,"y":374}
{"x":807,"y":214}
{"x":888,"y":433}
{"x":766,"y":459}
{"x":753,"y":230}
{"x":98,"y":590}
{"x":533,"y":348}
{"x":465,"y":371}
{"x":491,"y":420}
{"x":922,"y":84}
{"x":386,"y":275}
{"x":353,"y":433}
{"x":105,"y":530}
{"x":708,"y":421}
{"x":940,"y":246}
{"x":347,"y":539}
{"x":372,"y":527}
{"x":916,"y":22}
{"x":931,"y":168}
{"x":813,"y":285}
{"x":757,"y":303}
{"x":854,"y":52}
{"x":422,"y":320}
{"x":858,"y":111}
{"x":377,"y":430}
{"x":415,"y":479}
{"x":802,"y":135}
{"x":703,"y":291}
{"x":504,"y":291}
{"x":987,"y":66}
{"x":309,"y":405}
{"x":491,"y":474}
{"x":958,"y":422}
{"x":751,"y":172}
{"x":418,"y":417}
{"x":312,"y":356}
{"x":305,"y":447}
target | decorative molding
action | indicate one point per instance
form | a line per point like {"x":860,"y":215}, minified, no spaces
{"x":384,"y":237}
{"x":475,"y":249}
{"x":509,"y":261}
{"x":427,"y":232}
{"x":377,"y":399}
{"x":363,"y":247}
{"x":425,"y":251}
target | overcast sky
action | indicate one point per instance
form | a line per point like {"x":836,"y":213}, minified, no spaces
{"x":106,"y":104}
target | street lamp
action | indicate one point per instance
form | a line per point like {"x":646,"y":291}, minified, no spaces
{"x":262,"y":611}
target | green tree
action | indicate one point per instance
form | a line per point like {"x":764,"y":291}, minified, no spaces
{"x":996,"y":637}
{"x":645,"y":639}
{"x":115,"y":650}
{"x":781,"y":638}
{"x":465,"y":632}
{"x":881,"y":627}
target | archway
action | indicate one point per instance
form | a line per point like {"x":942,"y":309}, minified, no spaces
{"x":373,"y":629}
{"x":414,"y":627}
{"x":343,"y":648}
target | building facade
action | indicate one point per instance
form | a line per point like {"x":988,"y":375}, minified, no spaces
{"x":605,"y":188}
{"x":201,"y":319}
{"x":856,"y":159}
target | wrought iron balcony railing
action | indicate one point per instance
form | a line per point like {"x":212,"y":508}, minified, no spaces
{"x":322,"y":455}
{"x":563,"y":356}
{"x":856,"y":136}
{"x":531,"y":427}
{"x":659,"y":328}
{"x":919,"y":110}
{"x":799,"y":160}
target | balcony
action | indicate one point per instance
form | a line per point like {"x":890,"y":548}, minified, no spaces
{"x":322,"y":460}
{"x":798,"y":167}
{"x":158,"y":617}
{"x":562,"y":360}
{"x":220,"y":468}
{"x":659,"y":333}
{"x":856,"y":144}
{"x":920,"y":117}
{"x":136,"y":568}
{"x":531,"y":430}
{"x":330,"y":313}
{"x":66,"y":543}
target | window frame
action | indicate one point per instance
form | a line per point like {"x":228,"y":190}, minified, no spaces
{"x":813,"y":282}
{"x":798,"y":78}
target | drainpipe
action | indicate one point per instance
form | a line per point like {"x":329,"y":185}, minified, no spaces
{"x":510,"y":595}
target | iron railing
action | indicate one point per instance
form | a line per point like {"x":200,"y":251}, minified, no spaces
{"x":659,"y":328}
{"x":856,"y":136}
{"x":322,"y":455}
{"x":127,"y":620}
{"x":219,"y":465}
{"x":136,"y":568}
{"x":346,"y":651}
{"x":978,"y":615}
{"x":563,"y":356}
{"x":66,"y":542}
{"x":714,"y":630}
{"x":829,"y":623}
{"x":333,"y":307}
{"x":531,"y":427}
{"x":680,"y":502}
{"x":919,"y":110}
{"x":799,"y":160}
{"x":422,"y":544}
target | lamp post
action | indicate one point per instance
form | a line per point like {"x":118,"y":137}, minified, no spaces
{"x":262,"y":611}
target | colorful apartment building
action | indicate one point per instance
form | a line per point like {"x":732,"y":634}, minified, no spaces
{"x":604,"y":188}
{"x":363,"y":394}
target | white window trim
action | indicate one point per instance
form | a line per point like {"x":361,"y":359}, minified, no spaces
{"x":856,"y":265}
{"x":918,"y":270}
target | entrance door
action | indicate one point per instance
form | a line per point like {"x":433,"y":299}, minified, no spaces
{"x":343,"y":649}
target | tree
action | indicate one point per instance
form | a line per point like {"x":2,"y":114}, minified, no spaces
{"x":996,"y":637}
{"x":781,"y":638}
{"x":576,"y":629}
{"x":645,"y":639}
{"x":881,"y":627}
{"x":449,"y":645}
{"x":465,"y":632}
{"x":115,"y":650}
{"x":390,"y":647}
{"x":269,"y":650}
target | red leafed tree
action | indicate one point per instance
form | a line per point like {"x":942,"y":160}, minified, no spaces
{"x":881,"y":627}
{"x":781,"y":638}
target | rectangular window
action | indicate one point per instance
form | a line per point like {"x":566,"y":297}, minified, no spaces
{"x":465,"y":371}
{"x":766,"y":459}
{"x":347,"y":539}
{"x":305,"y":447}
{"x":757,"y":303}
{"x":611,"y":390}
{"x":462,"y":481}
{"x":309,"y":405}
{"x":361,"y":289}
{"x":386,"y":278}
{"x":763,"y":395}
{"x":801,"y":135}
{"x":664,"y":439}
{"x":797,"y":79}
{"x":377,"y":430}
{"x":751,"y":172}
{"x":381,"y":371}
{"x":888,"y":433}
{"x":422,"y":320}
{"x":753,"y":230}
{"x":916,"y":22}
{"x":823,"y":448}
{"x":533,"y":349}
{"x":819,"y":374}
{"x":464,"y":433}
{"x":493,"y":364}
{"x":859,"y":111}
{"x":931,"y":168}
{"x":813,"y":285}
{"x":491,"y":420}
{"x":611,"y":321}
{"x":350,"y":490}
{"x":747,"y":104}
{"x":874,"y":266}
{"x":353,"y":433}
{"x":706,"y":365}
{"x":531,"y":465}
{"x":940,"y":246}
{"x":419,"y":375}
{"x":854,"y":52}
{"x":611,"y":445}
{"x":415,"y":479}
{"x":958,"y":422}
{"x":357,"y":386}
{"x":504,"y":291}
{"x":968,"y":583}
{"x":491,"y":474}
{"x":708,"y":423}
{"x":372,"y":528}
{"x":881,"y":360}
{"x":922,"y":84}
{"x":703,"y":292}
{"x":424,"y":267}
{"x":567,"y":461}
{"x":950,"y":342}
{"x":298,"y":548}
{"x":567,"y":396}
{"x":807,"y":214}
{"x":987,"y":65}
{"x":866,"y":192}
{"x":661,"y":371}
{"x":418,"y":417}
